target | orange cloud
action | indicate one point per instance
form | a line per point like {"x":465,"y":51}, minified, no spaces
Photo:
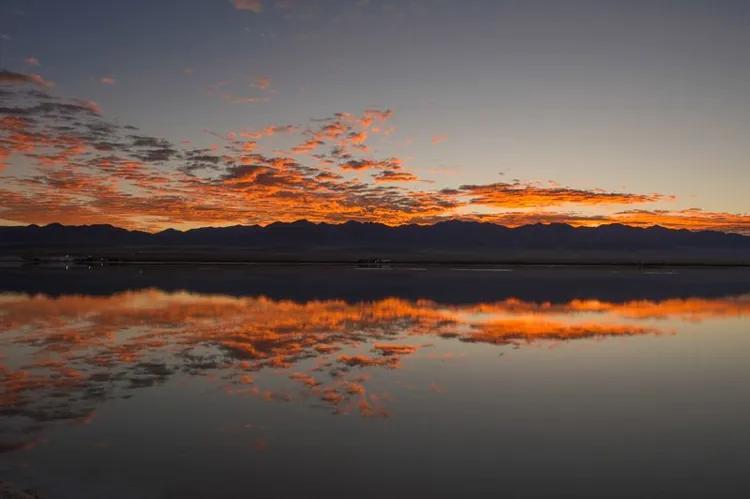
{"x":307,"y":146}
{"x":394,"y":176}
{"x":518,"y":195}
{"x":268,"y":131}
{"x":84,"y":169}
{"x":394,"y":349}
{"x":378,"y":114}
{"x":357,"y":137}
{"x":510,"y":330}
{"x":263,"y":83}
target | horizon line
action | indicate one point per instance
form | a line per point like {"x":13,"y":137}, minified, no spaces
{"x":412,"y":224}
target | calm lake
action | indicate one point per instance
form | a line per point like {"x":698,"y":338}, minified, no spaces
{"x":246,"y":381}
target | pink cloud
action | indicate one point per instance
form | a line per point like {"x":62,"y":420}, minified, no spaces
{"x":255,"y":6}
{"x":107,"y":80}
{"x":11,"y":78}
{"x":31,"y":61}
{"x":90,"y":105}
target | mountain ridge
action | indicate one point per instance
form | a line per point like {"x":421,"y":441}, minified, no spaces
{"x":305,"y":222}
{"x":455,"y":239}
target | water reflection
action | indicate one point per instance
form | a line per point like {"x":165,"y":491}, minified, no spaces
{"x":62,"y":355}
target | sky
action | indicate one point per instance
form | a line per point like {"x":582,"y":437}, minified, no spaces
{"x":187,"y":113}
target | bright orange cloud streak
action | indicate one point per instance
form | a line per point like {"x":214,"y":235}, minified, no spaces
{"x":517,"y":195}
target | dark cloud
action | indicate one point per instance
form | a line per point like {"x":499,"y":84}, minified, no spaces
{"x":394,"y":176}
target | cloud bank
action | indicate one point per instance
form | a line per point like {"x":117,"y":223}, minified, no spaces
{"x":81,"y":169}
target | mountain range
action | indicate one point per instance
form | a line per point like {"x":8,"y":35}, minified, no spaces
{"x":444,"y":241}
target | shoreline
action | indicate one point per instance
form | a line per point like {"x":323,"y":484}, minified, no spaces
{"x":394,"y":265}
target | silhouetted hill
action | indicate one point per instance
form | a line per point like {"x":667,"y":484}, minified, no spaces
{"x":452,"y":240}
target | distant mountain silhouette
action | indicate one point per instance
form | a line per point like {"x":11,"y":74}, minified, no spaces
{"x":442,"y":241}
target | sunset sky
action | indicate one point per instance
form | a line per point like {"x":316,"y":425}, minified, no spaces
{"x":149,"y":114}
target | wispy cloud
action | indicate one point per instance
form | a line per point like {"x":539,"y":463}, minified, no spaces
{"x":12,"y":78}
{"x":262,"y":83}
{"x":241,"y":99}
{"x":225,"y":90}
{"x":524,"y":195}
{"x":394,"y":176}
{"x":255,"y":6}
{"x":90,"y":105}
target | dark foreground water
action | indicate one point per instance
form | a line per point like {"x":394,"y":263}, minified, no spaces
{"x":183,"y":382}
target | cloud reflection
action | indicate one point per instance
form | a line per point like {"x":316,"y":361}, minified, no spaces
{"x":62,"y":355}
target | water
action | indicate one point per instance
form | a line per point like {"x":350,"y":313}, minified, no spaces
{"x":211,"y":381}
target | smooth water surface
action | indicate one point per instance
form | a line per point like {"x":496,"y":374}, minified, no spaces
{"x":237,"y":381}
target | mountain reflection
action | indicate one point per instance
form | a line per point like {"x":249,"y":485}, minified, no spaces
{"x":60,"y":355}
